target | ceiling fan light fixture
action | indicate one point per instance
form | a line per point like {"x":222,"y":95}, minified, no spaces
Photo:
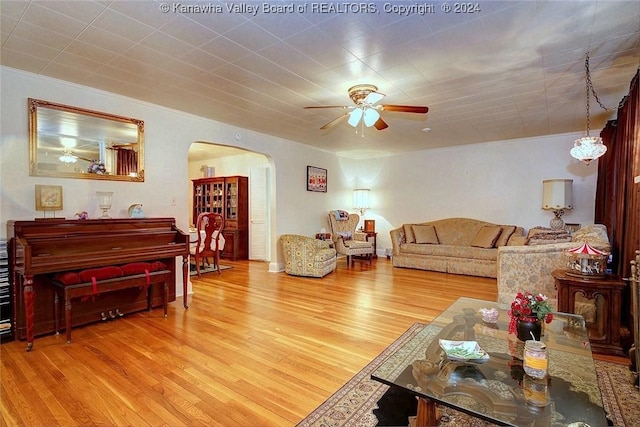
{"x":359,"y":93}
{"x":68,"y":157}
{"x":355,"y":116}
{"x":371,"y":116}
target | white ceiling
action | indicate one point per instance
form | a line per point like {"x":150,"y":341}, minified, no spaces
{"x":511,"y":69}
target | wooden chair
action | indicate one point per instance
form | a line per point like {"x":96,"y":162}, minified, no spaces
{"x":209,"y":232}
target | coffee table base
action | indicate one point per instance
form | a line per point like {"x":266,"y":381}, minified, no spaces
{"x":426,"y":415}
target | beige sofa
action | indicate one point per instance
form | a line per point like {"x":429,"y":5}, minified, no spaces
{"x":529,"y":267}
{"x":453,"y":245}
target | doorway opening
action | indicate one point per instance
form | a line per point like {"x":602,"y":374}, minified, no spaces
{"x":208,"y":159}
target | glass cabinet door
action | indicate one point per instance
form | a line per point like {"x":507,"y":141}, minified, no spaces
{"x":217,"y":200}
{"x":232,"y":201}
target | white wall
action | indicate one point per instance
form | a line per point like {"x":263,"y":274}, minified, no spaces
{"x":168,"y":135}
{"x":499,"y":182}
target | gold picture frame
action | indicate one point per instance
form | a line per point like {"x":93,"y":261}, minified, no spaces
{"x":49,"y":198}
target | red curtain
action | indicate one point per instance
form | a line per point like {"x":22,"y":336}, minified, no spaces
{"x":617,"y":205}
{"x":127,"y":161}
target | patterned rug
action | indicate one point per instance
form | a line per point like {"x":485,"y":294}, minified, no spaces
{"x":355,"y":403}
{"x":206,"y":269}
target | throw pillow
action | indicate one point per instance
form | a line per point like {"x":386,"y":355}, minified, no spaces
{"x":487,"y":236}
{"x":346,"y":235}
{"x":409,"y":237}
{"x":425,"y":234}
{"x":507,"y":231}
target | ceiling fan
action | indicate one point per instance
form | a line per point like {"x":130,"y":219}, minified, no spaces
{"x":364,"y":96}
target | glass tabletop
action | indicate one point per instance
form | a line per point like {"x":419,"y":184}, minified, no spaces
{"x":497,"y":389}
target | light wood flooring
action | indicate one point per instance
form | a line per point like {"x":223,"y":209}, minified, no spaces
{"x":254,"y":349}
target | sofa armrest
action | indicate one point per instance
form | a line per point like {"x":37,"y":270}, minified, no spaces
{"x":323,"y":244}
{"x":529,"y":268}
{"x":397,"y":236}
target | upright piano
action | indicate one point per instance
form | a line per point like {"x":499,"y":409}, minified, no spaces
{"x":38,"y":249}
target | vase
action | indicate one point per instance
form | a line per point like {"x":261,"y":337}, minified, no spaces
{"x":529,"y":328}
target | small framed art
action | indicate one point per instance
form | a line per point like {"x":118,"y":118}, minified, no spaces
{"x":48,"y":197}
{"x":316,"y":179}
{"x":370,"y":225}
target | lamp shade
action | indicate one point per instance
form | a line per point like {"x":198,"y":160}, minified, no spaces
{"x":361,"y":199}
{"x":557,"y":194}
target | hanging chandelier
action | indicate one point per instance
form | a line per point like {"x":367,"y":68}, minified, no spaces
{"x":588,"y":147}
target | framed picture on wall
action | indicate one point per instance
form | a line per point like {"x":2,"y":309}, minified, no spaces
{"x":370,"y":225}
{"x":48,"y":197}
{"x":316,"y":179}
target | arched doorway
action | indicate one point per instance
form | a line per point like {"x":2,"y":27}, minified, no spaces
{"x":223,"y":160}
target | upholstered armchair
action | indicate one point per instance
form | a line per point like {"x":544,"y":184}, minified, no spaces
{"x":306,"y":256}
{"x":347,"y":240}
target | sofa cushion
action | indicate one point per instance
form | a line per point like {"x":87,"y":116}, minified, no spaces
{"x":487,"y":237}
{"x":517,"y":240}
{"x":425,"y":234}
{"x":450,"y":251}
{"x":507,"y":232}
{"x":409,"y":237}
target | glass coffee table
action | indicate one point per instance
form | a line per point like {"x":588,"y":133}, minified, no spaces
{"x":497,"y":389}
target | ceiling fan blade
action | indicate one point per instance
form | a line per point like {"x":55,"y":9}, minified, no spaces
{"x":355,"y":116}
{"x":328,"y":106}
{"x":334,"y":121}
{"x":406,"y":108}
{"x":373,"y":97}
{"x":380,"y":124}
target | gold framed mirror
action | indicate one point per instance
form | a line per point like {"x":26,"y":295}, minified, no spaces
{"x":72,"y":142}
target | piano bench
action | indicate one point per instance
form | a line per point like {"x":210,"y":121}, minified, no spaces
{"x":67,"y":292}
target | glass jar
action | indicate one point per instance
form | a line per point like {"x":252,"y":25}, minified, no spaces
{"x":535,"y":359}
{"x":536,"y":391}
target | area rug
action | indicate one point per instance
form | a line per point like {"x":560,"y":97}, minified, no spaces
{"x":206,"y":269}
{"x":355,"y":403}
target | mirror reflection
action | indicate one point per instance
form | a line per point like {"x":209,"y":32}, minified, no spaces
{"x":73,"y":142}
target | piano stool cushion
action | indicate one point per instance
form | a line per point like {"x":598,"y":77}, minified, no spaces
{"x":110,"y":272}
{"x":141,"y":267}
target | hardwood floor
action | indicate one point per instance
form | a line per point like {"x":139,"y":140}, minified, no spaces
{"x":254,"y":349}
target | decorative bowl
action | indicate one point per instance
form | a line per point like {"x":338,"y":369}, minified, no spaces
{"x":464,"y":351}
{"x":489,"y":315}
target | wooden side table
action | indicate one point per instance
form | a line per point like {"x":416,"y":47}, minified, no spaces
{"x":372,"y":236}
{"x":606,"y":294}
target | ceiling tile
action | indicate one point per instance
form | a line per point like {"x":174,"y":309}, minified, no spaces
{"x":510,"y":70}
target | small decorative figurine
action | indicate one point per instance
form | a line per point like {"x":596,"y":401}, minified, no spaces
{"x":135,"y":211}
{"x":82,"y":215}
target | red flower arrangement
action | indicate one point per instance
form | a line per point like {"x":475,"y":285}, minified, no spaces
{"x":529,"y":307}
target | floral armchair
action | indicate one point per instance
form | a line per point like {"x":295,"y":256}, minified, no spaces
{"x":347,"y":240}
{"x":306,"y":256}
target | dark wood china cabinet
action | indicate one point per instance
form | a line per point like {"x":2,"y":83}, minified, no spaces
{"x":229,"y":197}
